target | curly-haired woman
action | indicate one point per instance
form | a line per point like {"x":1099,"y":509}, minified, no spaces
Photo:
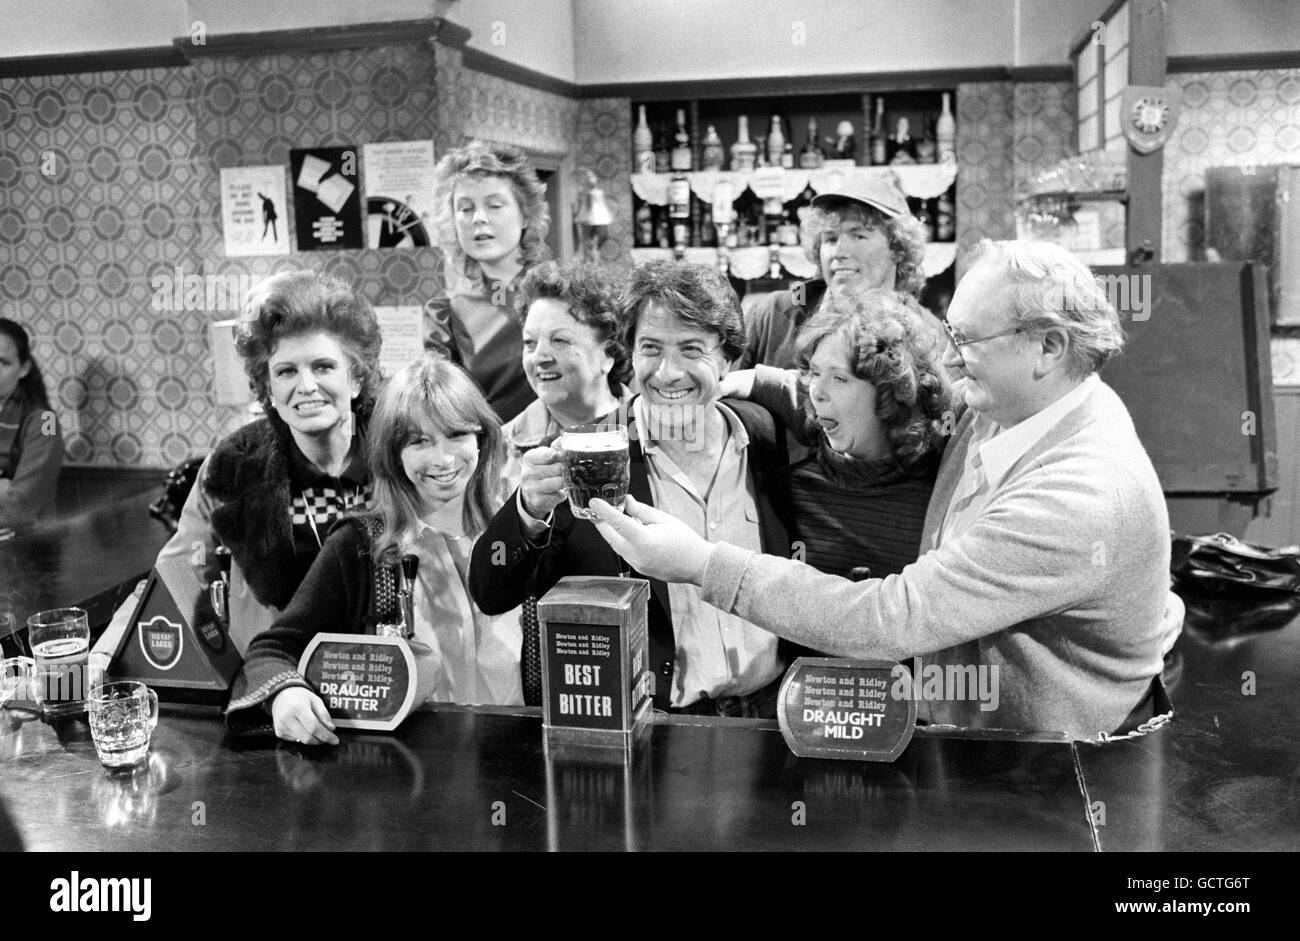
{"x":874,"y":404}
{"x":270,"y":491}
{"x":492,"y":222}
{"x":861,"y":237}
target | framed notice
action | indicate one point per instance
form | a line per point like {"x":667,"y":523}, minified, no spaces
{"x":253,"y":218}
{"x":402,"y":331}
{"x":326,"y":198}
{"x":399,"y":194}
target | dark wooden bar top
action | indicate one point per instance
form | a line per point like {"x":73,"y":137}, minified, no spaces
{"x":89,"y":560}
{"x":1223,"y":775}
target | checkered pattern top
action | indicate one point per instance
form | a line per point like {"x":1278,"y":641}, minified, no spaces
{"x":326,"y":504}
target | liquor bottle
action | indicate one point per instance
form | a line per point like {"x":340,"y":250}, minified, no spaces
{"x":927,"y":216}
{"x":743,"y":151}
{"x":787,"y":233}
{"x":901,"y":149}
{"x":811,"y":157}
{"x":944,"y":225}
{"x":643,"y":146}
{"x":775,"y":143}
{"x":713,"y":155}
{"x":663,"y":235}
{"x":708,"y":233}
{"x":681,"y":157}
{"x":925,"y":147}
{"x":645,"y":226}
{"x":663,"y":153}
{"x":945,"y":132}
{"x":679,"y":209}
{"x":845,"y":144}
{"x":878,"y":144}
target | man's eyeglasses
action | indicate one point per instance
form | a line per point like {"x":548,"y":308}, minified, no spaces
{"x":958,"y":341}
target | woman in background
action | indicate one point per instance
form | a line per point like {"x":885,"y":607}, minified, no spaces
{"x":31,"y":445}
{"x":492,"y":223}
{"x":270,"y":491}
{"x":436,"y":452}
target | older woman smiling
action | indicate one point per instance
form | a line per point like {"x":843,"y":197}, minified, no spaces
{"x":573,"y":356}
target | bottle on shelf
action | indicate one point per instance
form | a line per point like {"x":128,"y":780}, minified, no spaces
{"x":925,"y":147}
{"x":643,"y":147}
{"x":879,"y":151}
{"x":663,"y":152}
{"x":645,"y":226}
{"x":708,"y":233}
{"x":788,"y":159}
{"x":845,"y":144}
{"x":743,"y":151}
{"x":927,"y":216}
{"x":679,"y":209}
{"x":775,"y":143}
{"x":812,"y":156}
{"x":663,"y":234}
{"x":945,"y":132}
{"x":681,"y":155}
{"x":787,"y":233}
{"x":901,"y":148}
{"x":713,"y":155}
{"x":944,"y":226}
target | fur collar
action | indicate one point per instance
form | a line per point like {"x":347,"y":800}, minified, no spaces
{"x":249,"y":479}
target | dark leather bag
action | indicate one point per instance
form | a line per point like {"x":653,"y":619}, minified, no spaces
{"x":1223,"y":563}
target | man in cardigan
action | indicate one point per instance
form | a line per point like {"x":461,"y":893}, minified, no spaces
{"x":1047,"y":534}
{"x":712,"y":465}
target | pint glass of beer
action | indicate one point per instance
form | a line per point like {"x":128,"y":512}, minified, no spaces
{"x":595,"y":465}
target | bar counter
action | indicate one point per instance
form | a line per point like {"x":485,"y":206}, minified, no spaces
{"x":1223,"y":775}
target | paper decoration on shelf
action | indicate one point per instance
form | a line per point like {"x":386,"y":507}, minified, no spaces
{"x":326,"y":198}
{"x":252,"y":211}
{"x":753,"y":262}
{"x":399,"y":194}
{"x":920,"y":181}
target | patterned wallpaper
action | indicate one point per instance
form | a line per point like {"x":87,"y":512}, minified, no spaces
{"x":253,"y":110}
{"x":605,"y":143}
{"x":1227,"y":118}
{"x":98,"y":189}
{"x":132,"y":192}
{"x":986,"y":149}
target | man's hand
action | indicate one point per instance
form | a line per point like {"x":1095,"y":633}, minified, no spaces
{"x":300,"y":716}
{"x":652,"y":542}
{"x":541,"y":485}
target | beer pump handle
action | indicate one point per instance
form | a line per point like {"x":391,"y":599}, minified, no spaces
{"x":219,"y":589}
{"x":223,"y":561}
{"x":410,"y":566}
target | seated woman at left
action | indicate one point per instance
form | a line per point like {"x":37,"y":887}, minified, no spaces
{"x":436,"y":453}
{"x":271,"y":490}
{"x":31,"y":447}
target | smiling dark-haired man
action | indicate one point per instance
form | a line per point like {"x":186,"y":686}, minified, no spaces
{"x":711,"y":464}
{"x":1046,"y":542}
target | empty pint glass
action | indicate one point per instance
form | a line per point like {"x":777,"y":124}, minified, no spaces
{"x":595,"y":465}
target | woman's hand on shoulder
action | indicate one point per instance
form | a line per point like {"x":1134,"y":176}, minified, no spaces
{"x":300,"y":716}
{"x":737,"y":384}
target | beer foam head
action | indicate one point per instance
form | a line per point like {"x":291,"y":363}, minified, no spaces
{"x":594,"y":441}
